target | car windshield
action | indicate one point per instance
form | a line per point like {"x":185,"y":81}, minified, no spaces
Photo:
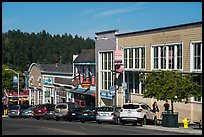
{"x":14,"y":107}
{"x":105,"y":109}
{"x":41,"y":106}
{"x":130,"y":106}
{"x":24,"y":106}
{"x":61,"y":106}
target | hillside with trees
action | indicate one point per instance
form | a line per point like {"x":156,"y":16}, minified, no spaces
{"x":20,"y":49}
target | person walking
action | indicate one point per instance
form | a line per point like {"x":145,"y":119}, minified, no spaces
{"x":155,"y":108}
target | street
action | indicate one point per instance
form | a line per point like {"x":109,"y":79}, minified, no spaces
{"x":29,"y":126}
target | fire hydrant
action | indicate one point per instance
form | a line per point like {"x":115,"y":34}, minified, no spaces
{"x":5,"y":112}
{"x":185,"y":122}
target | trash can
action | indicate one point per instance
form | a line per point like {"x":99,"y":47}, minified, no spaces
{"x":169,"y":119}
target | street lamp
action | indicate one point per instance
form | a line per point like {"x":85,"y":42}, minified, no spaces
{"x":18,"y":81}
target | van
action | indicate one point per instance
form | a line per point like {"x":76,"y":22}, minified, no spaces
{"x":62,"y":109}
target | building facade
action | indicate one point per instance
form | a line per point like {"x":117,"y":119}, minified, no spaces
{"x":170,"y":48}
{"x":50,"y":83}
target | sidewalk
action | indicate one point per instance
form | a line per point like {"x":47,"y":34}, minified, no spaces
{"x":191,"y":130}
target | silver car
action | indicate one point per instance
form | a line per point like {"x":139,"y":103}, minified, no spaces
{"x":108,"y":114}
{"x":62,"y":109}
{"x":14,"y":111}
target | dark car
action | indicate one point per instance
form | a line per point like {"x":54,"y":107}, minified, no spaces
{"x":50,"y":113}
{"x":26,"y":111}
{"x":74,"y":114}
{"x":41,"y":110}
{"x":88,"y":114}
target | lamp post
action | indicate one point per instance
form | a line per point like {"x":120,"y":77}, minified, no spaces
{"x":18,"y":81}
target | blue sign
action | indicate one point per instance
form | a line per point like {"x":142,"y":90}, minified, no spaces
{"x":48,"y":81}
{"x":112,"y":90}
{"x":105,"y":94}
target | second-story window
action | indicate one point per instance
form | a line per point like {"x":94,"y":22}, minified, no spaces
{"x":167,"y":56}
{"x":134,"y":58}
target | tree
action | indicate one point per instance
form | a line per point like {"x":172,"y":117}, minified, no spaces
{"x":172,"y":85}
{"x":7,"y":76}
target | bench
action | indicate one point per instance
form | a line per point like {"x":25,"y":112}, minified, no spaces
{"x":199,"y":124}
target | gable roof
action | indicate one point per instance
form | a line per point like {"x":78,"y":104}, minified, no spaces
{"x":56,"y":68}
{"x":87,"y":55}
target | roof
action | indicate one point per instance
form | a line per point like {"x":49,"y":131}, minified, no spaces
{"x":109,"y":31}
{"x":66,"y":81}
{"x":60,"y":68}
{"x":169,"y":28}
{"x":87,"y":55}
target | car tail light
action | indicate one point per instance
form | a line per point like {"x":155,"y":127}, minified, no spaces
{"x":18,"y":109}
{"x":139,"y":110}
{"x":113,"y":114}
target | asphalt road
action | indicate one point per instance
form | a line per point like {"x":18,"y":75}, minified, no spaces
{"x":29,"y":126}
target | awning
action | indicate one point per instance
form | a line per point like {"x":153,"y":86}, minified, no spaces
{"x":91,"y":93}
{"x":83,"y":91}
{"x":78,"y":90}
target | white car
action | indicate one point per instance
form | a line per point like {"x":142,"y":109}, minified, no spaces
{"x":137,"y":113}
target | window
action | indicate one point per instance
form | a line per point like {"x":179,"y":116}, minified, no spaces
{"x":130,"y":58}
{"x":134,"y":58}
{"x":134,"y":85}
{"x":171,"y":57}
{"x":198,"y":79}
{"x":137,"y":58}
{"x":105,"y":71}
{"x":163,"y":57}
{"x":179,"y":56}
{"x":167,"y":56}
{"x":156,"y":58}
{"x":125,"y":58}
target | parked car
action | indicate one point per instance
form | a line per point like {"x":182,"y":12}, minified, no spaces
{"x":26,"y":111}
{"x":41,"y":110}
{"x":61,"y":110}
{"x":108,"y":114}
{"x":50,"y":112}
{"x":14,"y":111}
{"x":74,"y":114}
{"x":137,"y":113}
{"x":88,"y":114}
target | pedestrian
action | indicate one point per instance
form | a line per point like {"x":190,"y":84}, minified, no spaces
{"x":155,"y":107}
{"x":166,"y":106}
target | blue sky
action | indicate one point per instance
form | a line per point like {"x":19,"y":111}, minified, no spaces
{"x":86,"y":18}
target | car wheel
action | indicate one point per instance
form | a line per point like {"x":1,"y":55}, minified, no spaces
{"x":155,"y":121}
{"x":99,"y":122}
{"x":37,"y":118}
{"x":122,"y":122}
{"x":57,"y":119}
{"x":82,"y":121}
{"x":117,"y":121}
{"x":144,"y":121}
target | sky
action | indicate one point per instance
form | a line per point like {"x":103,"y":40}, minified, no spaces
{"x":86,"y":18}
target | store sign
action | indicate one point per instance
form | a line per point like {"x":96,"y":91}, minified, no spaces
{"x":86,"y":84}
{"x":118,"y":56}
{"x":48,"y":81}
